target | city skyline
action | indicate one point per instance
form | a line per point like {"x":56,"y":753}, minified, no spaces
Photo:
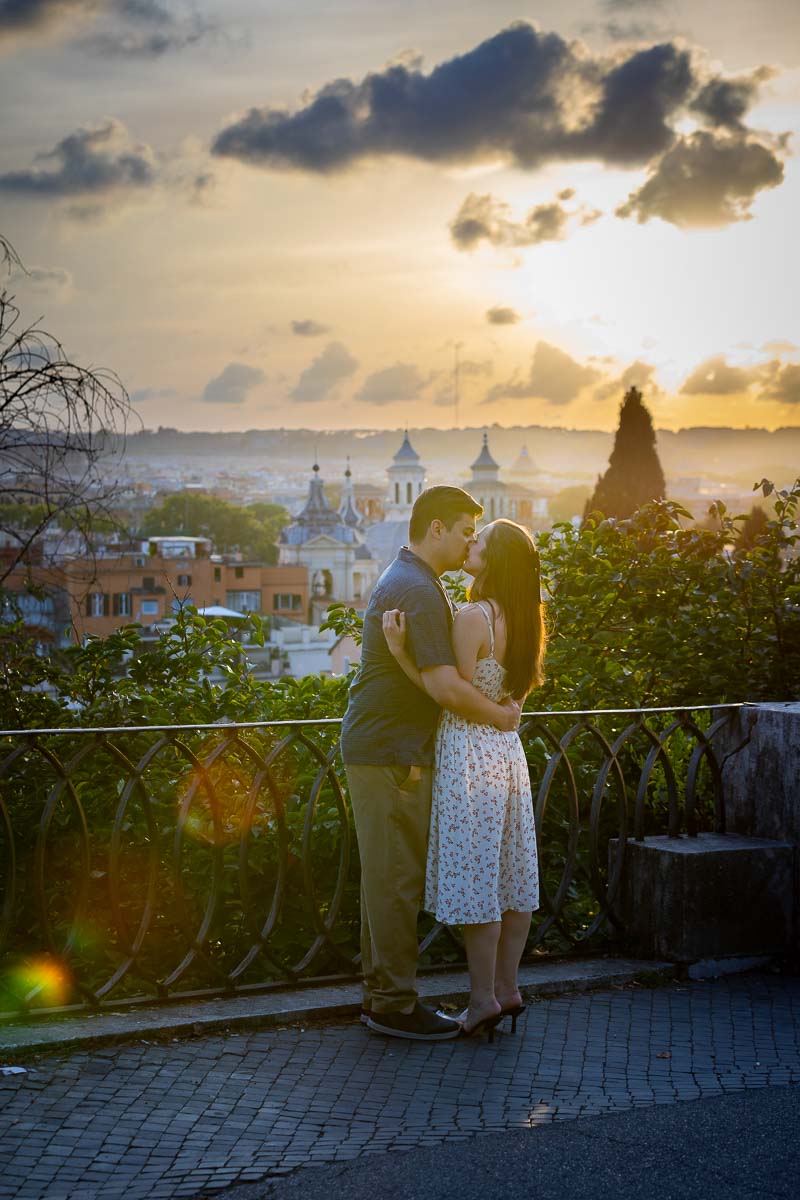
{"x":263,"y":215}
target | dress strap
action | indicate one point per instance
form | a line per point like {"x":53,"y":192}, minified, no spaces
{"x":490,"y":622}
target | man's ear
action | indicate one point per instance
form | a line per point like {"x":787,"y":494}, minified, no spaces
{"x":436,"y":528}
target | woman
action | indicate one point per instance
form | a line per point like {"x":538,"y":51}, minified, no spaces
{"x":482,"y":865}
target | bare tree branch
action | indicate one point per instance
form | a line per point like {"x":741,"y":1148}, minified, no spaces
{"x":8,"y":256}
{"x":62,"y":426}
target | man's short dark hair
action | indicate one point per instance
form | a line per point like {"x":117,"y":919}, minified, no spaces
{"x":445,"y":504}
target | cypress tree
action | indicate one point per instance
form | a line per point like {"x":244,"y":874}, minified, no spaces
{"x":634,"y":476}
{"x":753,"y":528}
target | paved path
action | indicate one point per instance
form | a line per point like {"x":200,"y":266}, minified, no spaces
{"x":188,"y":1117}
{"x":544,"y":977}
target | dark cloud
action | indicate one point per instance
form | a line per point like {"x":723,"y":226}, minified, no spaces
{"x":140,"y":28}
{"x":715,"y":377}
{"x":705,"y":181}
{"x":528,"y":96}
{"x":629,"y":31}
{"x":44,"y":279}
{"x":633,"y":5}
{"x":775,"y":380}
{"x":202,"y":188}
{"x":149,"y":11}
{"x":403,"y":381}
{"x":553,"y":376}
{"x":639,"y":374}
{"x":142,"y":395}
{"x":784,"y":385}
{"x":724,"y":103}
{"x":333,"y":365}
{"x":24,"y":16}
{"x":484,"y":218}
{"x":147,"y":31}
{"x":639,"y":99}
{"x":233,"y":384}
{"x":91,"y":161}
{"x":309,"y":328}
{"x":88,"y":213}
{"x":532,"y":98}
{"x":500,"y":315}
{"x":137,"y":45}
{"x":636,"y":24}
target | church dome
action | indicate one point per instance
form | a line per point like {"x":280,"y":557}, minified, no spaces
{"x":317,"y":518}
{"x":524,"y":464}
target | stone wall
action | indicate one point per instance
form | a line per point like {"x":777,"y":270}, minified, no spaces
{"x":762,"y":780}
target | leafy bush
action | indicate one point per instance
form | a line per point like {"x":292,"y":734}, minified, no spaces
{"x":654,"y":610}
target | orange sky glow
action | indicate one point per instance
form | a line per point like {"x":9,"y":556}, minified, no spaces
{"x":364,"y":216}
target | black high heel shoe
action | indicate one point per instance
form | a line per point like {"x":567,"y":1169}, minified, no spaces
{"x":487,"y":1025}
{"x":515,"y":1011}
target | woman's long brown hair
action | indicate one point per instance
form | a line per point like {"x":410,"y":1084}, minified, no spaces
{"x":512,"y":578}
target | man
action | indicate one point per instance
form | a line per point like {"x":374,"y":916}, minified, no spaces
{"x":388,"y":744}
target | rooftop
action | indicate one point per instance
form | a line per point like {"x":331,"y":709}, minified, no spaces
{"x":484,"y":461}
{"x":406,"y":453}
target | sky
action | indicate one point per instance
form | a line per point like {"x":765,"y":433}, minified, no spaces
{"x":377,"y":213}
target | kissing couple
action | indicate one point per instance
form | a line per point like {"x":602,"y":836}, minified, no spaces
{"x":437,"y":774}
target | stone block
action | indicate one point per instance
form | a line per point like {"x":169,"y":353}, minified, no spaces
{"x":707,"y":897}
{"x":759,"y":751}
{"x":762,"y":778}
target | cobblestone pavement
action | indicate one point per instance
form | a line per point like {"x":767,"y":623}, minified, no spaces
{"x":187,"y":1117}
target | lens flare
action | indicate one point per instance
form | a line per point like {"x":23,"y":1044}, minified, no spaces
{"x":44,"y":978}
{"x":231,"y":790}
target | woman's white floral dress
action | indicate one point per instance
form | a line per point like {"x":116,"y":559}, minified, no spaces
{"x":482,"y":853}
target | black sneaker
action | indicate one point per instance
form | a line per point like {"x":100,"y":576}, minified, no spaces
{"x":420,"y":1025}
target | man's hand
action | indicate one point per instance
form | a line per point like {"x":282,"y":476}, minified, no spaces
{"x":514,"y":711}
{"x":394,"y":630}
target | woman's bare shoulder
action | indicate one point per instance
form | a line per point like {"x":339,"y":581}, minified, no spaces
{"x":470,"y":627}
{"x":470,"y":614}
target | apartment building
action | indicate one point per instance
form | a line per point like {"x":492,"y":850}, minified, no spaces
{"x":147,"y":586}
{"x":146,"y":582}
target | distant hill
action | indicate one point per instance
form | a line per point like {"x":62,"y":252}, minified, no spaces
{"x":714,"y":453}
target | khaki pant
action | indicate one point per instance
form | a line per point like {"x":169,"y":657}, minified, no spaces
{"x":392,"y":811}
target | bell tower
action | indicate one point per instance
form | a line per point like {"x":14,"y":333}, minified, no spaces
{"x":406,"y":481}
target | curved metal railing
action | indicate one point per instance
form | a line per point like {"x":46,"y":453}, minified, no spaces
{"x":172,"y":861}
